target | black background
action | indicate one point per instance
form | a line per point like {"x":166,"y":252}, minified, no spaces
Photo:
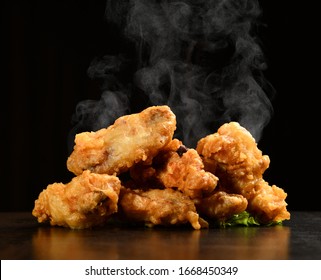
{"x":47,"y":47}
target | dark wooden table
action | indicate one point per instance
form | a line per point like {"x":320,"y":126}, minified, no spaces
{"x":21,"y":238}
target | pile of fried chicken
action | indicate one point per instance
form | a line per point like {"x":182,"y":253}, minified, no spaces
{"x":136,"y":171}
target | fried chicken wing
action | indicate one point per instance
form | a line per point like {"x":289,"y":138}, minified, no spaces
{"x":159,"y":207}
{"x":185,"y":171}
{"x":240,"y":165}
{"x":134,"y":169}
{"x":131,"y":139}
{"x":177,"y":167}
{"x":87,"y":200}
{"x":220,"y":205}
{"x":145,"y":174}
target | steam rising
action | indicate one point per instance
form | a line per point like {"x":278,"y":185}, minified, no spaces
{"x":199,"y":57}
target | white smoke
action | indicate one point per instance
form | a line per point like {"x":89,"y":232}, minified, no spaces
{"x":202,"y":58}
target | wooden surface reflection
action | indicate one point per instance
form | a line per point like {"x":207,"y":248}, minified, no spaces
{"x":21,"y":237}
{"x":159,"y":243}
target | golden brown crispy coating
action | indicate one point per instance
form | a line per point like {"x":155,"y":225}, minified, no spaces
{"x":235,"y":151}
{"x":159,"y":207}
{"x":145,"y":174}
{"x":240,"y":166}
{"x":131,"y":139}
{"x":166,"y":183}
{"x":268,"y":202}
{"x":185,"y":171}
{"x":220,"y":205}
{"x":178,"y":167}
{"x":87,"y":200}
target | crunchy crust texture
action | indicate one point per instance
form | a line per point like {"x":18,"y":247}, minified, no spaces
{"x":131,"y":139}
{"x":240,"y":165}
{"x":137,"y":171}
{"x":221,"y":206}
{"x":86,"y":201}
{"x":159,"y":207}
{"x":177,"y":167}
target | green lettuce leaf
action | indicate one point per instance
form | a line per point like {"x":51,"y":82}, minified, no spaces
{"x":244,"y":219}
